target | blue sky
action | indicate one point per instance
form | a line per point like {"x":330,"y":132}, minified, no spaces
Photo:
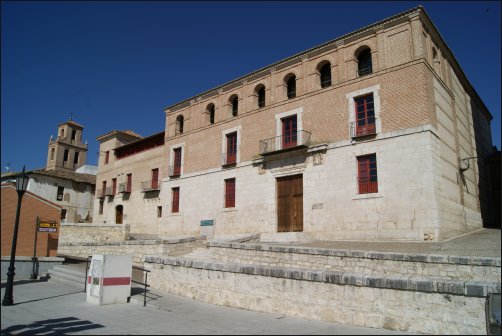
{"x":117,"y":65}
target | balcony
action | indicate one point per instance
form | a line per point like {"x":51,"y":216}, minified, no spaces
{"x":367,"y":185}
{"x":110,"y":191}
{"x":281,"y":143}
{"x":368,"y":128}
{"x":124,"y":188}
{"x":228,"y":158}
{"x":174,"y":170}
{"x":151,"y":185}
{"x":100,"y":193}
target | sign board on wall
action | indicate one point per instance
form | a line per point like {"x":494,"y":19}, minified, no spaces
{"x":47,"y":227}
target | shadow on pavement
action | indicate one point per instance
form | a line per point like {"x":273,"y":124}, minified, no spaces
{"x":60,"y":326}
{"x":23,"y":282}
{"x":46,"y":298}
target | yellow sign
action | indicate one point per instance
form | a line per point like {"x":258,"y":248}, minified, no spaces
{"x":48,"y":225}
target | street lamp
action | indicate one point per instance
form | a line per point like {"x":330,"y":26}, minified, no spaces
{"x":21,"y":185}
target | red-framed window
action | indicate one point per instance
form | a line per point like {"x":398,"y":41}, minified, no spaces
{"x":367,"y":174}
{"x":129,"y":183}
{"x":177,"y":161}
{"x":232,"y":148}
{"x":365,"y":115}
{"x":155,"y":178}
{"x":230,"y":193}
{"x":289,"y":132}
{"x":107,"y":157}
{"x":114,"y":186}
{"x":104,"y":189}
{"x":176,"y":200}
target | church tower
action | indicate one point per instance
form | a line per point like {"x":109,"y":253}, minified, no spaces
{"x":67,"y":151}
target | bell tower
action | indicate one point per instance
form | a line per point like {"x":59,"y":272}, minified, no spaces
{"x":67,"y":151}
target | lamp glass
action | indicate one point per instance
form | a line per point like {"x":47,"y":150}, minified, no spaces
{"x":22,"y":182}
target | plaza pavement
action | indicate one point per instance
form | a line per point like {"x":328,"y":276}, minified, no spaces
{"x":47,"y":308}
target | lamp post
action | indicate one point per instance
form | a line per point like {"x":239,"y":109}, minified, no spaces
{"x":21,"y":185}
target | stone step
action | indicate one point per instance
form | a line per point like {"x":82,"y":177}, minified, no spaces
{"x":143,"y":236}
{"x":68,"y":274}
{"x":200,"y":253}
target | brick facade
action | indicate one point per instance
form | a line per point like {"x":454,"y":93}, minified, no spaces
{"x":31,"y":207}
{"x":428,"y":119}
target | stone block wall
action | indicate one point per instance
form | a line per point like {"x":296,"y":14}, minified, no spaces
{"x":98,"y":232}
{"x":137,"y":248}
{"x":405,"y":303}
{"x":360,"y":262}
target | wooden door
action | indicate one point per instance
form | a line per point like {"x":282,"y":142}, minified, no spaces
{"x":289,"y":132}
{"x":232,"y":148}
{"x":177,"y":162}
{"x":155,"y":178}
{"x":290,"y":203}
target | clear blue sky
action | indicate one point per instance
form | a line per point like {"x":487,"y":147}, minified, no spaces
{"x":116,"y":65}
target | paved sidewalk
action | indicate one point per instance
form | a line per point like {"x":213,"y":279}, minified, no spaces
{"x":48,"y":308}
{"x":480,"y":243}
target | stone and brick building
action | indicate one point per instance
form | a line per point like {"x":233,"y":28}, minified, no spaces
{"x":67,"y":180}
{"x":63,"y":191}
{"x":377,"y":134}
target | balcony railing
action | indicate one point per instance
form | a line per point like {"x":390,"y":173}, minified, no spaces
{"x":100,"y":193}
{"x":109,"y":191}
{"x":174,"y":170}
{"x":124,"y":188}
{"x":367,"y":185}
{"x":150,"y":185}
{"x":284,"y":142}
{"x":369,"y":128}
{"x":228,"y":158}
{"x":364,"y":71}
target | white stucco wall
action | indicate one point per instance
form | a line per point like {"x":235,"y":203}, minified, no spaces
{"x":77,"y":197}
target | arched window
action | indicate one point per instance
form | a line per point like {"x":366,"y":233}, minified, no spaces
{"x":210,"y":109}
{"x":435,"y":61}
{"x":364,"y":64}
{"x":325,"y":72}
{"x":234,"y":102}
{"x":179,"y":124}
{"x":291,"y":87}
{"x":260,"y":91}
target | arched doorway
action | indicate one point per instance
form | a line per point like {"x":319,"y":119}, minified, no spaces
{"x":119,"y":212}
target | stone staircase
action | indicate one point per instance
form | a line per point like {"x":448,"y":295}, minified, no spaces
{"x":68,"y":274}
{"x":202,"y":253}
{"x":143,"y":236}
